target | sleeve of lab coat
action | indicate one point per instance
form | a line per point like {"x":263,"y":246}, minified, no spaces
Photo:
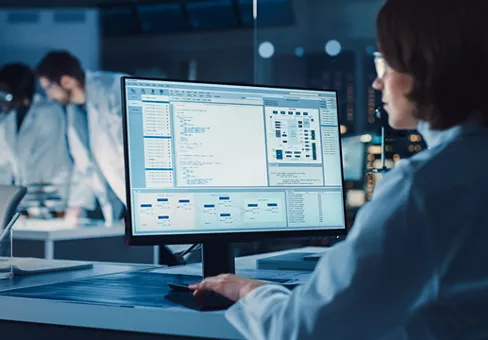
{"x":81,"y":194}
{"x":6,"y":175}
{"x":364,"y":286}
{"x":51,"y":163}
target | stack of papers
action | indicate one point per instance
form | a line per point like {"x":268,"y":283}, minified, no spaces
{"x":25,"y":266}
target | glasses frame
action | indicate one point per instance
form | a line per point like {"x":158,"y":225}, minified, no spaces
{"x":380,"y":65}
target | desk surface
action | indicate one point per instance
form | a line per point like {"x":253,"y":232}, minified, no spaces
{"x":170,"y":321}
{"x":58,"y":230}
{"x":98,"y":269}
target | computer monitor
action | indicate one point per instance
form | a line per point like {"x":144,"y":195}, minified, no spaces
{"x":354,"y":158}
{"x":218,"y":164}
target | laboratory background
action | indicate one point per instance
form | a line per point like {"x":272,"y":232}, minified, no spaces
{"x":61,"y":61}
{"x":319,"y":44}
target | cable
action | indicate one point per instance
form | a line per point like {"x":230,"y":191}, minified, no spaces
{"x":381,"y":117}
{"x":189,"y":250}
{"x":180,"y":256}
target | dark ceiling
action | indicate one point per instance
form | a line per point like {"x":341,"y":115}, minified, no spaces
{"x":97,"y":3}
{"x":65,"y":3}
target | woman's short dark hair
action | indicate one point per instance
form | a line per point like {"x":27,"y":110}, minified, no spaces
{"x":56,"y":64}
{"x":20,"y":80}
{"x":444,"y":47}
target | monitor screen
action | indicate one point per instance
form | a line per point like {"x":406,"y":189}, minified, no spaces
{"x":353,"y":158}
{"x":206,"y":159}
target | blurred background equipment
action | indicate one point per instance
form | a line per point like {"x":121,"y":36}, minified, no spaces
{"x":354,"y":156}
{"x":43,"y":201}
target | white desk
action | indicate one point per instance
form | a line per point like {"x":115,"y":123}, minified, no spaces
{"x":249,"y":262}
{"x":84,"y":318}
{"x":53,"y":230}
{"x":50,"y":231}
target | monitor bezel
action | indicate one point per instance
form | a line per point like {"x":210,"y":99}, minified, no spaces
{"x":230,"y":237}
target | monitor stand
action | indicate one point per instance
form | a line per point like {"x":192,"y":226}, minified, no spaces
{"x":217,"y":258}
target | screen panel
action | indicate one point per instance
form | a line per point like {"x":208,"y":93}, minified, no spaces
{"x":208,"y":159}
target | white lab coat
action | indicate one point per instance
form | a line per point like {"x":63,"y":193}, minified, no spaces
{"x":413,"y":266}
{"x":6,"y":175}
{"x":38,"y":152}
{"x":96,"y":145}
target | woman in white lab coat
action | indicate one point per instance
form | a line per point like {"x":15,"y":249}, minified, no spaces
{"x":33,"y":133}
{"x":413,"y":265}
{"x":93,"y":103}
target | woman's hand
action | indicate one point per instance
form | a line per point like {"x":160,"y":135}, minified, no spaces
{"x":231,"y":286}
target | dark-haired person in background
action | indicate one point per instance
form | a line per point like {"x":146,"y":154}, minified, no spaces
{"x":413,"y":266}
{"x":94,"y":111}
{"x":32,"y":132}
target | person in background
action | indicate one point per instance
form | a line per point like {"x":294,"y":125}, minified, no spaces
{"x":94,"y":111}
{"x":6,"y":176}
{"x":32,"y":131}
{"x":413,"y":265}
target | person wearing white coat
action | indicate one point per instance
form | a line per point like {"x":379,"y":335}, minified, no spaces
{"x":6,"y":102}
{"x":94,"y":110}
{"x":33,"y":134}
{"x":6,"y":176}
{"x":413,"y":266}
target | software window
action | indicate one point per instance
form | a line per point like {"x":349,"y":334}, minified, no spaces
{"x":214,"y":158}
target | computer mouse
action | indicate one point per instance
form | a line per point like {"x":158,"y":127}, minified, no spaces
{"x":179,"y":288}
{"x":208,"y":301}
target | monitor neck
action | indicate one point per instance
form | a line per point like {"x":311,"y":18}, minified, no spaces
{"x":217,"y":258}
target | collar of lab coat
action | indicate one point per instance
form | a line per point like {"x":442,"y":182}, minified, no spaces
{"x":434,"y":138}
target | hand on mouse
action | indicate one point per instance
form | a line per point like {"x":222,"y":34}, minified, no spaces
{"x":231,"y":286}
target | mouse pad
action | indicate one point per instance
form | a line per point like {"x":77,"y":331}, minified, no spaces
{"x":140,"y":288}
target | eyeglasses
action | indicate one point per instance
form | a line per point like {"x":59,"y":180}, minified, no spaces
{"x":380,"y":64}
{"x":6,"y":97}
{"x":50,"y":86}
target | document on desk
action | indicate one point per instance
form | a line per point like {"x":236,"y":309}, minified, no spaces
{"x":278,"y":276}
{"x":52,"y":224}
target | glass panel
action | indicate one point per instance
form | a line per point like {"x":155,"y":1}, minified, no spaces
{"x":330,"y":44}
{"x":272,"y":13}
{"x":323,"y":44}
